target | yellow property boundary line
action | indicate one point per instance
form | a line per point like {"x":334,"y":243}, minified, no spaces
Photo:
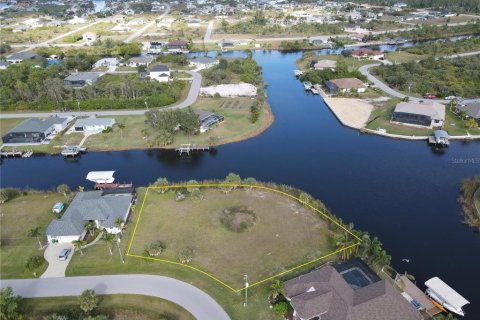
{"x":216,"y":185}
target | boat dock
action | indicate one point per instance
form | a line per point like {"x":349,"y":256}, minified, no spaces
{"x":439,"y":138}
{"x":73,"y":151}
{"x":188,"y":148}
{"x":14,"y":154}
{"x":298,"y":73}
{"x":416,"y":296}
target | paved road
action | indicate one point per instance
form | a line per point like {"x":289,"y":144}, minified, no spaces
{"x":191,"y":98}
{"x":139,"y":32}
{"x":364,"y":70}
{"x":197,"y":302}
{"x":208,"y":33}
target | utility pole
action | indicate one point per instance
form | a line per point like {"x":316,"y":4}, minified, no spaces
{"x":120,"y":249}
{"x":246,"y":290}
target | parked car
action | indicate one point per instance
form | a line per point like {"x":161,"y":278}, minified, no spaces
{"x":429,"y":96}
{"x":64,"y":254}
{"x":450,"y":98}
{"x":58,"y":207}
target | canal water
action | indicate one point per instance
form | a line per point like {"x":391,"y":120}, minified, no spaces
{"x":401,"y":191}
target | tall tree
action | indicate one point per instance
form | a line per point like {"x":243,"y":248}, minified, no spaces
{"x":9,"y":305}
{"x":35,"y":233}
{"x":108,"y":239}
{"x":63,"y":189}
{"x":78,"y":244}
{"x":88,"y":301}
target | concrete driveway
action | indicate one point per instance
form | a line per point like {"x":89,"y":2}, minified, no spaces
{"x":194,"y":300}
{"x":56,"y":268}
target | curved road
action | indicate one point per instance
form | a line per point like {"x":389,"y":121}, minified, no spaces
{"x":194,"y":300}
{"x":385,"y":88}
{"x":191,"y":98}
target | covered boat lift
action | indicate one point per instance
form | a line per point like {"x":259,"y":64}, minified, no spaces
{"x":445,"y":295}
{"x":101,"y":176}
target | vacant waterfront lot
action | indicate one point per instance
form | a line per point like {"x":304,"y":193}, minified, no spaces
{"x":283,"y":234}
{"x":17,"y":217}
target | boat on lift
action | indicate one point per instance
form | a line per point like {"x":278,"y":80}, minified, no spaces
{"x":445,"y":296}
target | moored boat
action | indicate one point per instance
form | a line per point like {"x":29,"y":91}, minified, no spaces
{"x":445,"y":296}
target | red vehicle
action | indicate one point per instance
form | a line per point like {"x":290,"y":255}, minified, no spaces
{"x":428,"y":96}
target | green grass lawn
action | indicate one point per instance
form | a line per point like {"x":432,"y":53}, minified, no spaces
{"x":7,"y":124}
{"x":17,"y":216}
{"x":380,"y":119}
{"x":403,"y":56}
{"x":352,"y":63}
{"x":117,"y":307}
{"x":98,"y":261}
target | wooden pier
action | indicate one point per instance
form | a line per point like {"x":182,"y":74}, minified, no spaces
{"x":15,"y":153}
{"x":73,"y":151}
{"x":188,"y":148}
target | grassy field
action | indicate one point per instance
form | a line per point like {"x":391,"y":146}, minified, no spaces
{"x":98,"y":261}
{"x":34,"y":35}
{"x":380,"y":119}
{"x":403,"y":56}
{"x":7,"y":124}
{"x":17,"y":216}
{"x":265,"y":249}
{"x":117,"y":307}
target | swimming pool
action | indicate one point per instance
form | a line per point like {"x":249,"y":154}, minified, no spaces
{"x":356,"y":278}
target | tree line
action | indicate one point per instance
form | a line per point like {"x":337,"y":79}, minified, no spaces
{"x":445,"y":47}
{"x":456,"y":6}
{"x":341,"y":71}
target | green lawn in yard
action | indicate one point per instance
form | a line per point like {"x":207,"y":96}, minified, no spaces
{"x":17,"y":217}
{"x":98,"y":261}
{"x":7,"y":124}
{"x":403,"y":56}
{"x":352,"y":63}
{"x":380,"y":119}
{"x":117,"y":307}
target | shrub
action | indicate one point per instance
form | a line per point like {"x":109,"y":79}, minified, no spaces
{"x":8,"y":194}
{"x":185,"y":255}
{"x":238,"y":219}
{"x":34,"y":262}
{"x":281,"y":308}
{"x":155,"y":249}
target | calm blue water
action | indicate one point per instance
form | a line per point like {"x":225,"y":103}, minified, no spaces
{"x":400,"y":191}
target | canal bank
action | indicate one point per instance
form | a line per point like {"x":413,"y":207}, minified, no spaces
{"x":401,"y":191}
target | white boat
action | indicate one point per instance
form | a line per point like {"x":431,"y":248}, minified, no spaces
{"x":314,"y":90}
{"x":307,"y":85}
{"x":445,"y":296}
{"x":298,"y":73}
{"x":101,"y":176}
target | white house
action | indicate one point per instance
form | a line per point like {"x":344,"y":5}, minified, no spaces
{"x":102,"y":207}
{"x":106,"y":62}
{"x":160,"y":73}
{"x":93,"y":124}
{"x":201,"y":63}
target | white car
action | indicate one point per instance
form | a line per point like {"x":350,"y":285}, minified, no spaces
{"x":450,"y":98}
{"x":64,"y":254}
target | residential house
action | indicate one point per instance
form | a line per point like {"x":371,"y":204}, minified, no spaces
{"x":77,"y":20}
{"x":419,"y":114}
{"x":160,"y":73}
{"x":140,"y":61}
{"x":90,"y":36}
{"x":207,"y":119}
{"x":103,"y":208}
{"x":201,"y":63}
{"x":19,"y":57}
{"x":93,"y":124}
{"x":106,"y":62}
{"x":178,"y":47}
{"x":345,"y":85}
{"x":472,"y":110}
{"x":226,"y":44}
{"x":194,"y":23}
{"x":20,"y":28}
{"x":346,"y":291}
{"x":81,"y":79}
{"x":365,"y":53}
{"x":324,"y":64}
{"x":318,"y":40}
{"x":153,"y":47}
{"x":35,"y":130}
{"x":4,"y":64}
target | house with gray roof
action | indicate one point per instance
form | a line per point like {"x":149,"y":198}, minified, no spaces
{"x":160,"y":73}
{"x":19,"y":57}
{"x":207,"y":119}
{"x":472,"y":110}
{"x":419,"y":114}
{"x":81,"y":79}
{"x":93,"y":124}
{"x":203,"y":62}
{"x":348,"y":291}
{"x":35,"y":130}
{"x":140,"y":61}
{"x":101,"y":207}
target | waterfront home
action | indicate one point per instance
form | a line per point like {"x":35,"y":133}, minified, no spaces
{"x":472,"y":110}
{"x":226,"y":44}
{"x":102,"y":207}
{"x":318,"y":40}
{"x":106,"y":62}
{"x":35,"y":130}
{"x":81,"y":79}
{"x":91,"y":125}
{"x":153,"y":47}
{"x":90,"y":36}
{"x":201,"y":63}
{"x":345,"y":85}
{"x":177,"y":47}
{"x":324,"y":64}
{"x":207,"y":119}
{"x":19,"y":57}
{"x":139,"y":61}
{"x":194,"y":23}
{"x":350,"y":290}
{"x":160,"y":73}
{"x":365,"y":53}
{"x":419,"y":114}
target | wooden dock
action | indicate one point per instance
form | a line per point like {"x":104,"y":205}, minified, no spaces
{"x":73,"y":151}
{"x":16,"y":154}
{"x":188,"y":148}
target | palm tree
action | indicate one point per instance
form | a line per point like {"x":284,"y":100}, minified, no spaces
{"x":78,"y":244}
{"x":276,"y":289}
{"x":121,"y":126}
{"x":35,"y":233}
{"x":119,"y":223}
{"x":108,"y":238}
{"x":90,"y":227}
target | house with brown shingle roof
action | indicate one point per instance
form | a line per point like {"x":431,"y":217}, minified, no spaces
{"x":349,"y":291}
{"x":345,"y":85}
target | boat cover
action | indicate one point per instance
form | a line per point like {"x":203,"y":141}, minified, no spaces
{"x":445,"y":292}
{"x":101,"y":176}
